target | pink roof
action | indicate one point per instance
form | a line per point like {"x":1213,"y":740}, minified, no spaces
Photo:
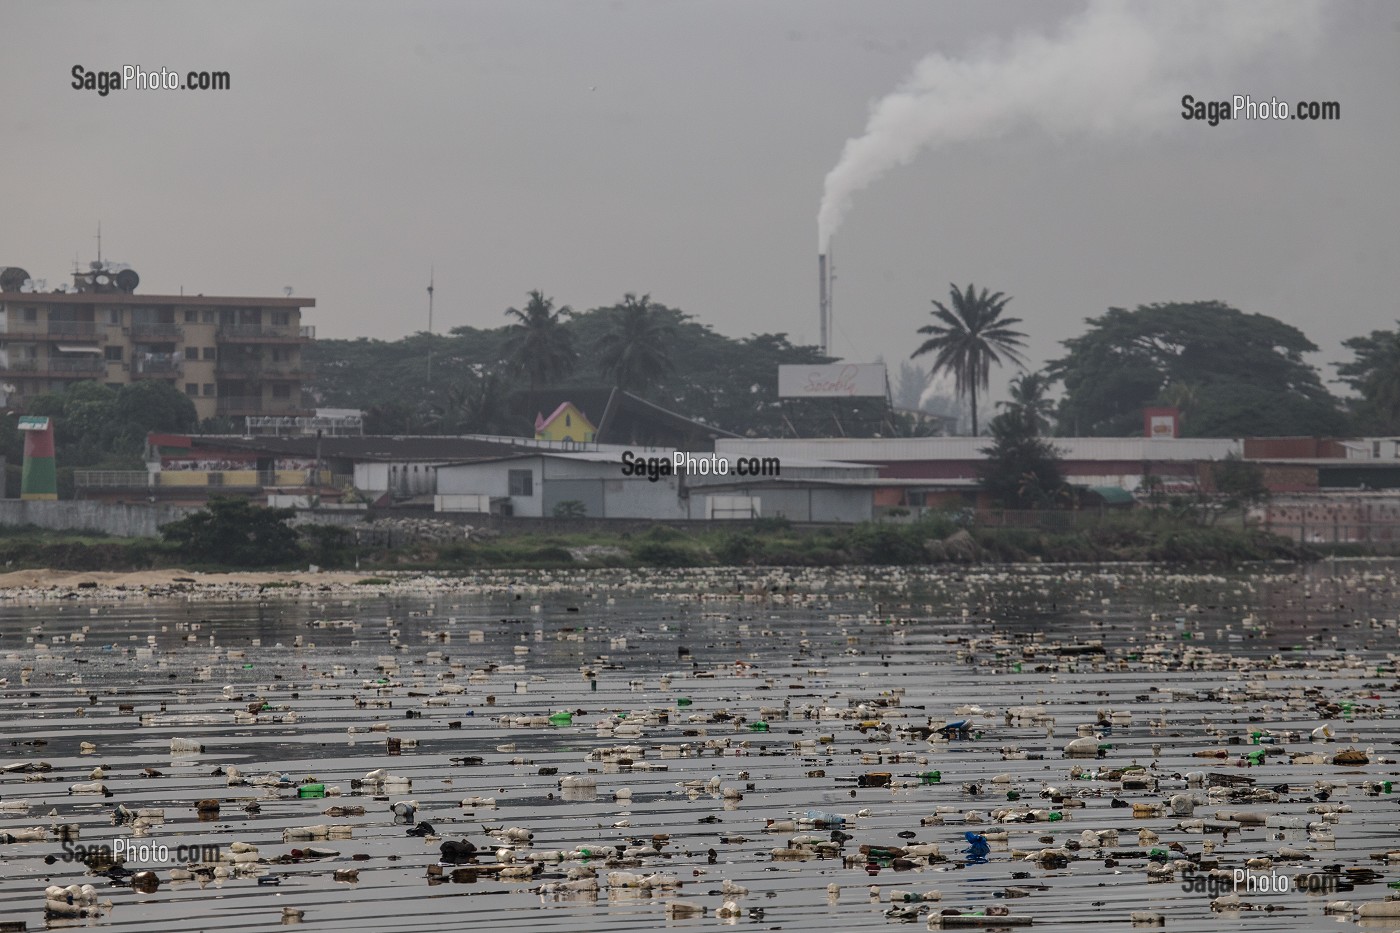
{"x":541,"y":422}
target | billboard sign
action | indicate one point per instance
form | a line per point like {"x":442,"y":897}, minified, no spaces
{"x":1161,"y":423}
{"x":832,"y":380}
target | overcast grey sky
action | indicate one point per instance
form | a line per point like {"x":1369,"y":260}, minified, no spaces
{"x":680,"y":148}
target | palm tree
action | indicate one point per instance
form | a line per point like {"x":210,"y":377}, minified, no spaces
{"x":970,"y":338}
{"x":537,"y":343}
{"x":1028,"y":401}
{"x":634,"y":351}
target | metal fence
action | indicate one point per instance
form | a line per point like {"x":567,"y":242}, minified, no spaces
{"x":1372,"y":533}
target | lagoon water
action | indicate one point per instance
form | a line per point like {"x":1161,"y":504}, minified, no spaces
{"x":838,"y":664}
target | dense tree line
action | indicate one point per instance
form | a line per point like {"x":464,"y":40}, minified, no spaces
{"x":98,"y":427}
{"x":1229,"y":372}
{"x":479,"y":379}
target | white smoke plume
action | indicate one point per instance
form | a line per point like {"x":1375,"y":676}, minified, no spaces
{"x":1114,"y":69}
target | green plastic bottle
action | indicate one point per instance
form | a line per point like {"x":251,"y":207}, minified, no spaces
{"x":562,"y":718}
{"x":311,"y":790}
{"x":758,"y":726}
{"x":930,"y":777}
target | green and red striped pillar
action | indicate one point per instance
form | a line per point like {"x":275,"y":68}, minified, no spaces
{"x":39,"y":480}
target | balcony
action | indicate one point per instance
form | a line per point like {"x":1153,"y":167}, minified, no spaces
{"x":264,"y":369}
{"x":240,"y":405}
{"x":156,"y":333}
{"x":261,"y":333}
{"x":238,"y":367}
{"x":87,"y":330}
{"x":82,"y":368}
{"x":87,"y":366}
{"x":156,"y":368}
{"x":287,"y":369}
{"x":32,"y":330}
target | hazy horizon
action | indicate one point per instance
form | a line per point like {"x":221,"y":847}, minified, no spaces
{"x":595,"y":148}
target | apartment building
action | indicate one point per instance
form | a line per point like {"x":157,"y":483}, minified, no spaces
{"x":232,"y":356}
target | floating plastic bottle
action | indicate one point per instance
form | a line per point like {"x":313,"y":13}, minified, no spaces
{"x":311,"y":790}
{"x":562,"y":718}
{"x":823,"y":819}
{"x":930,"y":777}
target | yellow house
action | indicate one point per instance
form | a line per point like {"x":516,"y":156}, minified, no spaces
{"x":566,"y":424}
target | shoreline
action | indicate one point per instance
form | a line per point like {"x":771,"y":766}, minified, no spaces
{"x":41,"y":577}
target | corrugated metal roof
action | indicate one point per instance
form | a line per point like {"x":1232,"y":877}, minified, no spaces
{"x":880,"y":450}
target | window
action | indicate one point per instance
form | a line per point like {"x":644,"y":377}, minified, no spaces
{"x":191,"y":388}
{"x":209,"y":353}
{"x":112,"y":354}
{"x":207,"y":316}
{"x":114,"y":315}
{"x":568,"y":421}
{"x":281,"y":390}
{"x":191,"y":316}
{"x":522,"y":483}
{"x":281,"y":318}
{"x":31,"y":315}
{"x":278,"y":354}
{"x":191,"y":353}
{"x":209,"y":389}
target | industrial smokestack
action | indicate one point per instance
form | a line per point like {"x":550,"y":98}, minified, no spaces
{"x":823,"y":299}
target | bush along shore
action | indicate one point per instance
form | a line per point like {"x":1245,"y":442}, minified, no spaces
{"x":935,"y":540}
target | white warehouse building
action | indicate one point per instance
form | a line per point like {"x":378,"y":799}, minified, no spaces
{"x":535,"y":484}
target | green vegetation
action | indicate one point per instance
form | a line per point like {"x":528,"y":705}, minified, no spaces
{"x":538,"y":344}
{"x":634,"y":352}
{"x":570,"y":508}
{"x":716,"y":379}
{"x":1022,"y":470}
{"x":236,"y":533}
{"x":98,"y":427}
{"x":968,"y":339}
{"x":1375,"y":375}
{"x":1232,"y":374}
{"x":1166,"y":536}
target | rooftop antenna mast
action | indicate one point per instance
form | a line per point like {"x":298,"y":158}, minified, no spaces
{"x":99,"y":241}
{"x":430,"y":322}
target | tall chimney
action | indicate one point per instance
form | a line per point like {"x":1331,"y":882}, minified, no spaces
{"x":822,"y":310}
